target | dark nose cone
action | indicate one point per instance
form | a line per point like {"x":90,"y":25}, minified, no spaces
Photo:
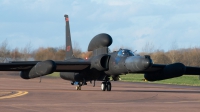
{"x":138,"y":63}
{"x":146,"y":62}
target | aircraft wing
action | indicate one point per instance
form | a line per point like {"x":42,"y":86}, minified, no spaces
{"x":189,"y":70}
{"x":71,"y":66}
{"x":61,"y":66}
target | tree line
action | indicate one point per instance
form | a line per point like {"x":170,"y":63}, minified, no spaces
{"x":40,"y":54}
{"x":187,"y":56}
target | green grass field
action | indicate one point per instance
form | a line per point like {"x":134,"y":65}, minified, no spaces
{"x":55,"y":74}
{"x":184,"y":80}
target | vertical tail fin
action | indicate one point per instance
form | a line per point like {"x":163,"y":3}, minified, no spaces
{"x":69,"y":50}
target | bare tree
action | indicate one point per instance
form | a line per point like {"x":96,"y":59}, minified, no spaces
{"x":4,"y":51}
{"x":26,"y":51}
{"x":76,"y":50}
{"x":49,"y":53}
{"x":172,"y":54}
{"x":195,"y":57}
{"x":148,"y":48}
{"x":160,"y":57}
{"x":40,"y":54}
{"x":15,"y":54}
{"x":61,"y":53}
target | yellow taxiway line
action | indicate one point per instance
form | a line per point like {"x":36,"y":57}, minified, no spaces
{"x":19,"y":93}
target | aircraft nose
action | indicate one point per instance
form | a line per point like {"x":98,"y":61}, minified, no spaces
{"x":138,"y":63}
{"x":147,"y":62}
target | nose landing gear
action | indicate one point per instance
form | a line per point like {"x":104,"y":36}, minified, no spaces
{"x":106,"y":85}
{"x":78,"y":87}
{"x":79,"y":84}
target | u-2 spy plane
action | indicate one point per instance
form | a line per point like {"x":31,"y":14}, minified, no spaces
{"x":101,"y":66}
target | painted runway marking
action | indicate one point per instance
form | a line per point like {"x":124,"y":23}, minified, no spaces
{"x":19,"y":93}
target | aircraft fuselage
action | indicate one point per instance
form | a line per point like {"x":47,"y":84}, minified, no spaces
{"x":120,"y":62}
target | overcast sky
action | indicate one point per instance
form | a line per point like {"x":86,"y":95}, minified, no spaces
{"x":131,"y":23}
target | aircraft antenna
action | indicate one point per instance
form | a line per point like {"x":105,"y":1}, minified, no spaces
{"x":40,"y":79}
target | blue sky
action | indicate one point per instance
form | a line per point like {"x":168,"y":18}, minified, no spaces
{"x":131,"y":23}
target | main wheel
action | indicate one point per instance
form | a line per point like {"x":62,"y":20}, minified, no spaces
{"x":109,"y":86}
{"x":103,"y":86}
{"x":78,"y":87}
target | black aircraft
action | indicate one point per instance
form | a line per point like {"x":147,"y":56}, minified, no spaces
{"x":100,"y":67}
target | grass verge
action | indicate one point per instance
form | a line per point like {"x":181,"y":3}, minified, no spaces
{"x":192,"y":80}
{"x":55,"y":74}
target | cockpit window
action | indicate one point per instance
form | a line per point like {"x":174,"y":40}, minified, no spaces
{"x":130,"y":53}
{"x":125,"y":53}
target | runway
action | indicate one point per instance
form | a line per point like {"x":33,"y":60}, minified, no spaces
{"x":55,"y":94}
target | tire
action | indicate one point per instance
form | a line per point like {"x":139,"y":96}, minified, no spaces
{"x":77,"y":88}
{"x":103,"y":86}
{"x":109,"y":86}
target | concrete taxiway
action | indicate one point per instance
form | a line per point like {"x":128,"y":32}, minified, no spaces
{"x":55,"y":94}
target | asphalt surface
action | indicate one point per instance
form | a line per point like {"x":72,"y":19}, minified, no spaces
{"x":57,"y":95}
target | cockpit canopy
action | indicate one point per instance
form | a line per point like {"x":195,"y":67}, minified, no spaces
{"x":125,"y":53}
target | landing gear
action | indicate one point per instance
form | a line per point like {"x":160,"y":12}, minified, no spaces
{"x":103,"y":86}
{"x":109,"y":86}
{"x":79,"y":84}
{"x":78,"y":87}
{"x":106,"y":86}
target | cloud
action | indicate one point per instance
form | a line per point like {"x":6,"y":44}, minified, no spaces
{"x":28,"y":5}
{"x":131,"y":23}
{"x":118,"y":3}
